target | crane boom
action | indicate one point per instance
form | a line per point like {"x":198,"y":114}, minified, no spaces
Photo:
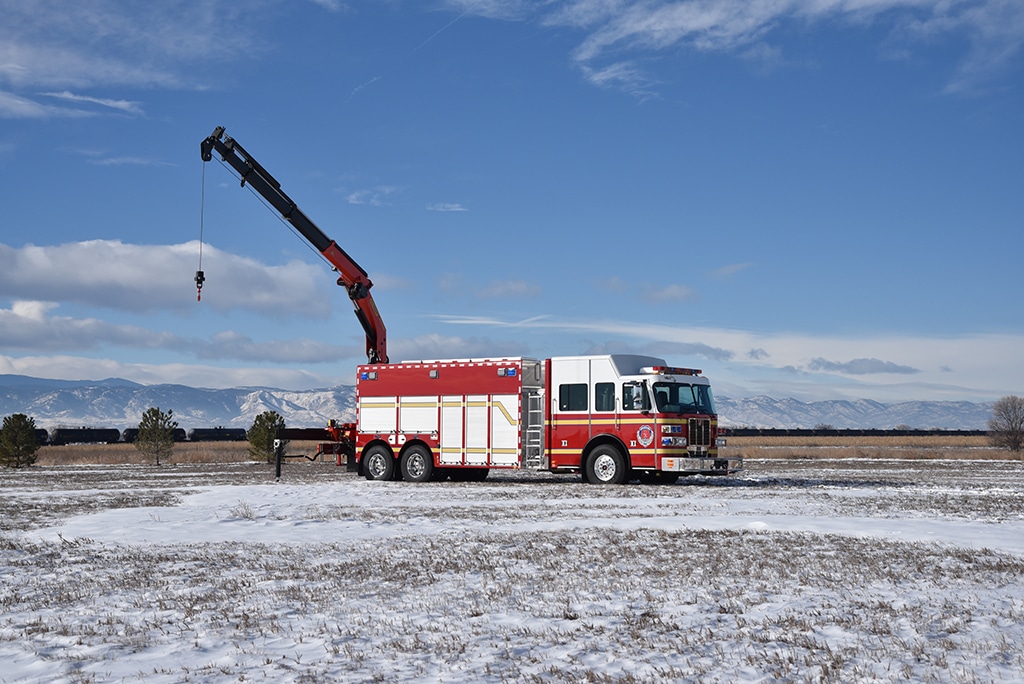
{"x":351,"y":275}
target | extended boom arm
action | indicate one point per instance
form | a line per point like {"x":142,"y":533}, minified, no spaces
{"x":351,"y":276}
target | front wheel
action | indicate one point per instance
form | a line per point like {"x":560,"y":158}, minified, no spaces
{"x":417,"y":464}
{"x":606,"y":465}
{"x":378,"y":464}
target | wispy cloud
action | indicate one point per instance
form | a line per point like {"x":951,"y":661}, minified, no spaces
{"x":620,"y":36}
{"x":130,"y":161}
{"x":782,"y":362}
{"x":126,"y":106}
{"x":332,"y":5}
{"x":436,"y":346}
{"x":670,"y":293}
{"x":730,"y":270}
{"x":446,"y":206}
{"x":374,"y":197}
{"x":32,"y":325}
{"x":234,"y":346}
{"x":69,"y":48}
{"x":17,"y":107}
{"x":67,"y":366}
{"x":861,"y":367}
{"x":509,"y":288}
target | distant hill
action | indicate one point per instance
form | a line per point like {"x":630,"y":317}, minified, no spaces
{"x":119,"y":403}
{"x":767,"y":412}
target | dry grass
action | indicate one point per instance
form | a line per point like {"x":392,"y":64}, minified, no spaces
{"x":905,"y":447}
{"x":127,"y":454}
{"x":908,"y":447}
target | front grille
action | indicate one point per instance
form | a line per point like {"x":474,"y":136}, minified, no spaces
{"x":700,"y":432}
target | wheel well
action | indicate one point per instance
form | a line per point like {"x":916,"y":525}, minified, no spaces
{"x":412,"y":443}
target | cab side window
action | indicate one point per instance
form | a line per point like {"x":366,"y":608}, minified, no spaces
{"x":634,"y":397}
{"x":572,"y":397}
{"x":604,"y":396}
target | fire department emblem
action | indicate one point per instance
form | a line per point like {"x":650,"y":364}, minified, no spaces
{"x":645,"y":435}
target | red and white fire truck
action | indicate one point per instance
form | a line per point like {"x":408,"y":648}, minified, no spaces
{"x":612,"y":417}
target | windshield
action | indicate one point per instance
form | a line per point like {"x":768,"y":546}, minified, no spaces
{"x":673,"y":397}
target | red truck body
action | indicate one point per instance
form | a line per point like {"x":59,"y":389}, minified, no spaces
{"x":610,"y":417}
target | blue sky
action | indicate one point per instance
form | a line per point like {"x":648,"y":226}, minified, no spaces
{"x":805,"y":198}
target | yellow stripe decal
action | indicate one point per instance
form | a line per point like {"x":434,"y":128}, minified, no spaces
{"x":498,"y":405}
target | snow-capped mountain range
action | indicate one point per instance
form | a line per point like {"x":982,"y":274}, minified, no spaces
{"x":116,"y":403}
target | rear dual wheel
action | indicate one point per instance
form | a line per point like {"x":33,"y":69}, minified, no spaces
{"x":378,"y":464}
{"x":417,"y":464}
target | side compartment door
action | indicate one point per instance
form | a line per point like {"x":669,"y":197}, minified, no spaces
{"x":505,"y":419}
{"x":453,"y":430}
{"x":476,"y":429}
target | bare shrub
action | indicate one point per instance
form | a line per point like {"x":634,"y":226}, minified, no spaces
{"x":1006,"y":428}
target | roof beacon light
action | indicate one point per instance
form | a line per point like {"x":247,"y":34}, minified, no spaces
{"x":670,"y":370}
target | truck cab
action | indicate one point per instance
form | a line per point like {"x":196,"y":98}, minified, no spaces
{"x":616,"y":416}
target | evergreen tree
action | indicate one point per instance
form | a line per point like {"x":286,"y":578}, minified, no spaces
{"x":156,"y":434}
{"x":18,"y":443}
{"x":263,"y":433}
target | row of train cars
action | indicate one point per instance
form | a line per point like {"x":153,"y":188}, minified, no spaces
{"x":62,"y":436}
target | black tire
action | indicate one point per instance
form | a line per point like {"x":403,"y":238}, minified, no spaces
{"x":417,"y":464}
{"x":378,"y":464}
{"x":606,"y":465}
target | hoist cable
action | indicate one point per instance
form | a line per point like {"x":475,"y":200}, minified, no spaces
{"x":200,"y":276}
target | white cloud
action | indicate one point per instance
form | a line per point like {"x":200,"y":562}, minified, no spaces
{"x":64,"y":367}
{"x":435,"y":346}
{"x":29,"y":325}
{"x":26,"y":325}
{"x":670,"y":293}
{"x":237,"y":347}
{"x":509,"y":288}
{"x":446,"y":206}
{"x":140,"y":278}
{"x":625,"y":76}
{"x":125,"y":106}
{"x":332,"y":5}
{"x":375,"y":197}
{"x":860,"y":367}
{"x":16,"y":107}
{"x":970,"y":366}
{"x":73,"y":44}
{"x":730,"y":270}
{"x":620,"y":34}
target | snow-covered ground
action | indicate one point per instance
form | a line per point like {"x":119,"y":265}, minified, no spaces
{"x":836,"y":571}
